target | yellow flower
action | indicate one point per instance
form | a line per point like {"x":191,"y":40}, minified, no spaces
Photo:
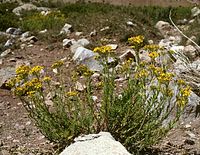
{"x":136,"y":42}
{"x":19,"y":91}
{"x":11,"y":83}
{"x":165,"y":77}
{"x":46,"y":79}
{"x":142,"y":74}
{"x":153,"y":55}
{"x":23,"y":71}
{"x":182,"y":102}
{"x":185,"y":92}
{"x":57,"y":64}
{"x":152,"y":48}
{"x":181,"y":82}
{"x":31,"y":93}
{"x":83,"y":70}
{"x":103,"y":49}
{"x":36,"y":70}
{"x":71,"y":93}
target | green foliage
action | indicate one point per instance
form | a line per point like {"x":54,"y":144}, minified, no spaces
{"x":7,"y":18}
{"x":133,"y":112}
{"x":35,"y":22}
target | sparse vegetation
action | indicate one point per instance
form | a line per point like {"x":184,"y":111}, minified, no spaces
{"x":133,"y":114}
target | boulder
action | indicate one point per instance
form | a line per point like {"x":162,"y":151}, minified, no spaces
{"x":128,"y":54}
{"x":25,"y":7}
{"x":9,"y":43}
{"x":96,"y":144}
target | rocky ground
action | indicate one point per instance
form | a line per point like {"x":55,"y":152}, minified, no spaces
{"x":19,"y":135}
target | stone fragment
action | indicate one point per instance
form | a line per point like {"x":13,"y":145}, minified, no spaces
{"x":93,"y":33}
{"x":95,"y":144}
{"x":79,"y":86}
{"x":190,"y":51}
{"x":5,"y":75}
{"x":195,"y":11}
{"x":83,"y":42}
{"x":5,"y":53}
{"x":67,"y":28}
{"x":25,"y":7}
{"x":113,"y":46}
{"x":129,"y":23}
{"x":68,"y":42}
{"x":78,"y":33}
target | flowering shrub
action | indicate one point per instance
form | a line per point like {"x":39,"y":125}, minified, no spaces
{"x":133,"y":112}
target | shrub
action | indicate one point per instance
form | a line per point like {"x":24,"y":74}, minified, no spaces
{"x":7,"y":18}
{"x":35,"y":22}
{"x":134,"y":113}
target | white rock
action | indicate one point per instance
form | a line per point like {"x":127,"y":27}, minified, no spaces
{"x":9,"y":43}
{"x":87,"y":57}
{"x":105,"y":28}
{"x":93,"y":33}
{"x":43,"y":31}
{"x":45,"y":13}
{"x":66,"y":29}
{"x":129,"y":23}
{"x":25,"y":35}
{"x":79,"y":86}
{"x":195,"y":11}
{"x":189,"y":41}
{"x":113,"y":46}
{"x":68,"y":42}
{"x":78,"y":33}
{"x":5,"y":53}
{"x":94,"y":98}
{"x":24,"y":7}
{"x":127,"y":55}
{"x":191,"y":21}
{"x":83,"y":42}
{"x":96,"y":144}
{"x":190,"y":52}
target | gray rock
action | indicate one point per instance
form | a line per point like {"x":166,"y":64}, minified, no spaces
{"x":68,"y":42}
{"x":30,"y":39}
{"x":113,"y":46}
{"x":190,"y":51}
{"x":83,"y":42}
{"x":10,"y":30}
{"x":79,"y":86}
{"x":9,"y":43}
{"x":43,"y":31}
{"x":66,"y":29}
{"x":25,"y":7}
{"x":96,"y":144}
{"x":5,"y":53}
{"x":93,"y":33}
{"x":128,"y":54}
{"x":5,"y":75}
{"x":129,"y":23}
{"x":25,"y":35}
{"x":78,"y":33}
{"x":195,"y":11}
{"x":105,"y":28}
{"x":87,"y":57}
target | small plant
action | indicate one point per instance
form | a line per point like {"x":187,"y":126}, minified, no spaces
{"x":134,"y":113}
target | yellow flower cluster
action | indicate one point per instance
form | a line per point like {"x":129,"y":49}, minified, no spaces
{"x":57,"y":64}
{"x":185,"y":92}
{"x":153,"y":54}
{"x":27,"y":81}
{"x":36,"y":70}
{"x":46,"y":79}
{"x":141,"y":74}
{"x":103,"y":49}
{"x":165,"y":77}
{"x":71,"y":93}
{"x":152,"y":47}
{"x":23,"y":71}
{"x":83,"y":70}
{"x":156,"y":70}
{"x":136,"y":42}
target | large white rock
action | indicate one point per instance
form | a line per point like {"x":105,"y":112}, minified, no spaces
{"x":24,"y":7}
{"x":66,"y":29}
{"x":96,"y":144}
{"x":190,"y":52}
{"x":87,"y":57}
{"x":195,"y":11}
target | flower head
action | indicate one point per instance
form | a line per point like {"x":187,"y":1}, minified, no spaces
{"x":23,"y":71}
{"x":57,"y":64}
{"x":36,"y":70}
{"x":71,"y":93}
{"x":136,"y":42}
{"x":103,"y":50}
{"x":153,"y":55}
